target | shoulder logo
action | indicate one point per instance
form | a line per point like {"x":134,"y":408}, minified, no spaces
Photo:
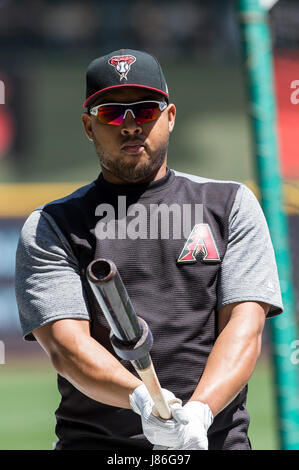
{"x":200,"y":240}
{"x":122,"y":64}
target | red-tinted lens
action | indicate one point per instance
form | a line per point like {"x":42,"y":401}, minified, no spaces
{"x":111,"y":114}
{"x":146,"y":112}
{"x":114,"y":113}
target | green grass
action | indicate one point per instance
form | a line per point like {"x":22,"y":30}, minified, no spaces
{"x":29,"y":399}
{"x":261,"y":407}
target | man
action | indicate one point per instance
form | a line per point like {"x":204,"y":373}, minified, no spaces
{"x":195,"y":256}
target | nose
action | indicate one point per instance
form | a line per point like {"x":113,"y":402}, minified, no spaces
{"x":130,"y":126}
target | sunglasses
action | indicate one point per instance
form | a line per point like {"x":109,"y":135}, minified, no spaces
{"x":115,"y":113}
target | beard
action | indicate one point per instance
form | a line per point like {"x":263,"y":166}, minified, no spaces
{"x":133,"y":169}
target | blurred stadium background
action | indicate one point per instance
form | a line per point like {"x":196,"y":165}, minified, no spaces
{"x":45,"y":48}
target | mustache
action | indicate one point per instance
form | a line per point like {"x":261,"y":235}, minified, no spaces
{"x":133,"y":140}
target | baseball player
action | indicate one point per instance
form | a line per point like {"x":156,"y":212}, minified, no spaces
{"x":195,"y":256}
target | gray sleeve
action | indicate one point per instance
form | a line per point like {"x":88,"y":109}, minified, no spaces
{"x":249,"y":270}
{"x":47,"y":279}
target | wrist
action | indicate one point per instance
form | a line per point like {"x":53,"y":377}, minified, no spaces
{"x":139,"y":398}
{"x":134,"y":386}
{"x":203,"y":399}
{"x":140,"y":392}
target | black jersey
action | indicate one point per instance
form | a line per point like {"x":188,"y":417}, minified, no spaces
{"x":168,"y":240}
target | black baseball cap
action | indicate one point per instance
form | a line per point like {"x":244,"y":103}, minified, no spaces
{"x":123,"y":68}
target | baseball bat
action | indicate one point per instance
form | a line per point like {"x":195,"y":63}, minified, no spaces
{"x":130,"y":335}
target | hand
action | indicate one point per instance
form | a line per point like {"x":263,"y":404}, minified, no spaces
{"x":193,"y":436}
{"x":159,"y":431}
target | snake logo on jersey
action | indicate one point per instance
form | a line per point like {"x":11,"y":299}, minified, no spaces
{"x":200,"y":240}
{"x":122,"y":64}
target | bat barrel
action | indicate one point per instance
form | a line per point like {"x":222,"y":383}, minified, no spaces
{"x":114,"y":300}
{"x":130,"y":336}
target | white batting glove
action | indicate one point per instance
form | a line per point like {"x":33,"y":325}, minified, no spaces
{"x":157,"y":430}
{"x":193,"y":436}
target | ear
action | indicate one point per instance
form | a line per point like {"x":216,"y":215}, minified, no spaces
{"x":86,"y":121}
{"x":171,"y":116}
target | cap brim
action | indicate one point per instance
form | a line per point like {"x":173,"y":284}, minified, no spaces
{"x":91,"y":99}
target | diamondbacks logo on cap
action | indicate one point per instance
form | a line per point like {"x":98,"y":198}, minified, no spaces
{"x":122,"y":64}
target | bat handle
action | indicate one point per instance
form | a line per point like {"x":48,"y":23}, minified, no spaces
{"x":150,"y":380}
